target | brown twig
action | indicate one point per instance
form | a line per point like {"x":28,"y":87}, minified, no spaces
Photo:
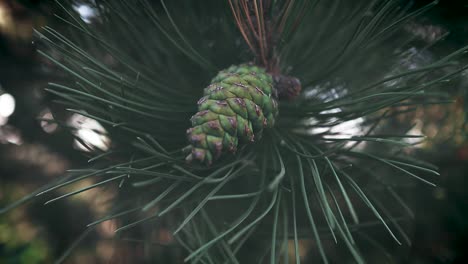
{"x":237,"y":17}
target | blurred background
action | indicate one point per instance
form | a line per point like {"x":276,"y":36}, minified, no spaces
{"x":33,"y":151}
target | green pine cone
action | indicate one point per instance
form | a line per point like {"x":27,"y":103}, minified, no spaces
{"x":238,"y":104}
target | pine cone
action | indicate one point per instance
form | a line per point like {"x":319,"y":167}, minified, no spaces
{"x":236,"y":106}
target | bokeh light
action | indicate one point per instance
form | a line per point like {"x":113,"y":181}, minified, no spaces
{"x":90,"y":134}
{"x":7,"y":105}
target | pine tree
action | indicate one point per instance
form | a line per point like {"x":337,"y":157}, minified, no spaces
{"x":291,"y":73}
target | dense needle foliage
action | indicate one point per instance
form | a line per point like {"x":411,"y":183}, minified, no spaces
{"x":139,"y":68}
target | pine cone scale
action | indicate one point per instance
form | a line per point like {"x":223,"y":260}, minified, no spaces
{"x":236,"y":107}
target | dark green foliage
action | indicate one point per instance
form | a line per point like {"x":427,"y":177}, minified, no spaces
{"x":140,"y":68}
